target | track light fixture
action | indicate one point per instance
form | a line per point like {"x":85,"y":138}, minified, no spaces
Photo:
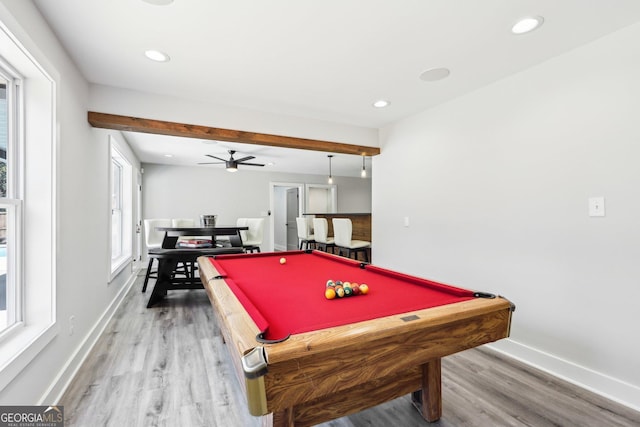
{"x":330,"y":180}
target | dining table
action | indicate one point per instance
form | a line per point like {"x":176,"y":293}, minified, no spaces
{"x":172,"y":234}
{"x":172,"y":255}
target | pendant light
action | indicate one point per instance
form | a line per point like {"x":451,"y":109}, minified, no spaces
{"x":363,"y":172}
{"x":330,"y":180}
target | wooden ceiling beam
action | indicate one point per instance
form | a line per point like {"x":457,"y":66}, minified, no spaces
{"x":159,"y":127}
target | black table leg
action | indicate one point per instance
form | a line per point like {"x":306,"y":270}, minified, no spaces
{"x":166,"y":268}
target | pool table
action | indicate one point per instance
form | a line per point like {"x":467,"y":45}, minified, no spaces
{"x":303,"y":359}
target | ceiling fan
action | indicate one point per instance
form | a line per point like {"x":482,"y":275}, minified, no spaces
{"x":231,"y":163}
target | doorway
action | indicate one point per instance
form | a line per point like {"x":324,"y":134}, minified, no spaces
{"x":293,"y":210}
{"x":286,"y":203}
{"x":321,"y":198}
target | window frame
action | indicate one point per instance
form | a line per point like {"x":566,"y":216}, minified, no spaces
{"x":117,"y":176}
{"x":125,"y":257}
{"x":37,"y":141}
{"x":13,"y":199}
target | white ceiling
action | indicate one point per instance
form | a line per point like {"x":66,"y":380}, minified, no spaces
{"x":189,"y":152}
{"x":322,"y":59}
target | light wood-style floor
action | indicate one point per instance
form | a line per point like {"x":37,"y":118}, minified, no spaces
{"x":167,"y":366}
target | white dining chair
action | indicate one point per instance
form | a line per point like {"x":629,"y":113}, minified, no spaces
{"x":304,"y":234}
{"x":342,"y":233}
{"x":251,"y":238}
{"x":153,"y":239}
{"x":184,"y":222}
{"x":321,"y":233}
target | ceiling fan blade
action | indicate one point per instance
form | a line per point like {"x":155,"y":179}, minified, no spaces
{"x":244,"y":158}
{"x":217,"y":158}
{"x":231,"y":162}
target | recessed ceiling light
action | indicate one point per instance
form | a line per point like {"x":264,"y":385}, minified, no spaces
{"x":527,"y":24}
{"x":434,"y":74}
{"x":381,"y":103}
{"x":158,"y":2}
{"x":168,"y":155}
{"x":156,"y":55}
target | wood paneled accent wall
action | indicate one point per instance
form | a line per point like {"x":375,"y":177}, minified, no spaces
{"x":361,"y":223}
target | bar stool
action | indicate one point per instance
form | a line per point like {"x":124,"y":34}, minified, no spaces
{"x":342,"y":232}
{"x":306,"y":237}
{"x":320,"y":230}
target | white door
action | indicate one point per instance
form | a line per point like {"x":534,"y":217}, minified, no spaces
{"x":292,"y":214}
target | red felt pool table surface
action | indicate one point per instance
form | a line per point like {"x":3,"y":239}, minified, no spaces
{"x":284,"y":299}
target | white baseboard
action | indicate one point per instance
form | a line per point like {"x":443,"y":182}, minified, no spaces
{"x":279,"y":248}
{"x":596,"y":382}
{"x":67,"y":373}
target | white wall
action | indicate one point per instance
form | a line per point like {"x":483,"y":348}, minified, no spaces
{"x":82,"y":207}
{"x":496,"y":188}
{"x":188,"y":192}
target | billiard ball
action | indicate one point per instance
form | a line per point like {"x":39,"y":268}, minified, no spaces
{"x":348,"y":291}
{"x":355,"y":288}
{"x":339,"y":292}
{"x":330,"y":293}
{"x":330,"y":283}
{"x":364,"y":289}
{"x":283,"y":260}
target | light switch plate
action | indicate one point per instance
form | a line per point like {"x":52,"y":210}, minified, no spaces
{"x":596,"y":206}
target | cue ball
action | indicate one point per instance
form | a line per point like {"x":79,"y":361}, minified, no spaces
{"x":283,"y":260}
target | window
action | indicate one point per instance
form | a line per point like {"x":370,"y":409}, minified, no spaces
{"x":121,"y":206}
{"x":27,"y":205}
{"x":10,"y":202}
{"x":116,"y":209}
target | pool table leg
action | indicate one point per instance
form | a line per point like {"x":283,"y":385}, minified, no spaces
{"x":429,"y":400}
